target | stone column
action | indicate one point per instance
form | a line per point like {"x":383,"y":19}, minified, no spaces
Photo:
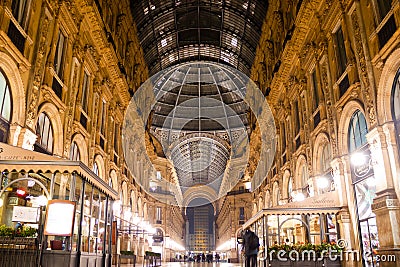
{"x":347,"y":233}
{"x":386,"y":203}
{"x":347,"y":217}
{"x":387,"y":209}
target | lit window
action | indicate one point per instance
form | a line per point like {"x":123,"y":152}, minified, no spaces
{"x":357,"y":131}
{"x":5,"y":99}
{"x":245,"y":5}
{"x":340,"y":51}
{"x":103,"y":118}
{"x":95,"y":168}
{"x":44,"y":131}
{"x":396,"y":97}
{"x":59,"y":56}
{"x":85,"y":93}
{"x":225,"y":56}
{"x":325,"y":158}
{"x":164,"y":42}
{"x":5,"y":108}
{"x":74,"y":152}
{"x":234,"y":41}
{"x":159,"y":214}
{"x":20,"y":10}
{"x":146,"y":11}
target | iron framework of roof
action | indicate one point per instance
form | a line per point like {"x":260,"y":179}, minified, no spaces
{"x":176,"y":31}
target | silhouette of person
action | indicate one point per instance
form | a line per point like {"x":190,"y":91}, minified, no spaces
{"x":250,"y":245}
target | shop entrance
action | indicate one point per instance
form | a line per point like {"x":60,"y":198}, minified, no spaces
{"x":21,"y":208}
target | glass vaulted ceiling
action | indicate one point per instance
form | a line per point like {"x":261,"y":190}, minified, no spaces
{"x":199,"y":116}
{"x":176,"y":31}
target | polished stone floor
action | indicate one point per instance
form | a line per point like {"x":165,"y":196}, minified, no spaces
{"x":191,"y":264}
{"x":200,"y":264}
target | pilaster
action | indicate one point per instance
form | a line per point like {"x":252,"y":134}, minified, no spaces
{"x":387,"y":209}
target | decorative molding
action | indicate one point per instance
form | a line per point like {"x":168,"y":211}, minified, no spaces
{"x":365,"y":85}
{"x":39,"y":68}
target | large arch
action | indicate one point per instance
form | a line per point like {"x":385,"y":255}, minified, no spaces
{"x":199,"y":192}
{"x":12,"y":73}
{"x":58,"y":134}
{"x":344,"y":122}
{"x":384,"y":90}
{"x":83,"y":148}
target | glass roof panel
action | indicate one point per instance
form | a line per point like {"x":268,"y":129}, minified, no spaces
{"x":177,"y":31}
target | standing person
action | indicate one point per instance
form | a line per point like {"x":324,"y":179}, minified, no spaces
{"x":250,"y":246}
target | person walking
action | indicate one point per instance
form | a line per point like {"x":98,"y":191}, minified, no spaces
{"x":250,"y":246}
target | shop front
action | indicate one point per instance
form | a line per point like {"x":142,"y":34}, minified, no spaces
{"x":294,"y":227}
{"x":53,"y":212}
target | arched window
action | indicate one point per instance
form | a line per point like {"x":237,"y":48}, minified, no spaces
{"x":304,"y":180}
{"x":396,"y":104}
{"x":5,"y":108}
{"x":396,"y":97}
{"x":357,"y":131}
{"x":325,"y":182}
{"x":110,"y":182}
{"x":290,"y":188}
{"x":276,"y":194}
{"x":96,"y":168}
{"x":74,"y":153}
{"x":325,"y":159}
{"x":44,"y":131}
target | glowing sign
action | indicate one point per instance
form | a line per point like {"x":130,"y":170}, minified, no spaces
{"x":60,"y":218}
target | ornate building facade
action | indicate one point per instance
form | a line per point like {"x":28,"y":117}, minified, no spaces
{"x":330,"y":70}
{"x":68,"y":70}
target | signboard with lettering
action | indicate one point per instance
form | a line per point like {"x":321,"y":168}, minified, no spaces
{"x":8,"y":152}
{"x":364,"y":170}
{"x":327,"y":200}
{"x":25,"y":214}
{"x":60,"y":218}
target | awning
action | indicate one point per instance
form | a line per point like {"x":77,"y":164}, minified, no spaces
{"x":21,"y":160}
{"x":327,"y":203}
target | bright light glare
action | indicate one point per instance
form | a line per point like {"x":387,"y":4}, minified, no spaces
{"x":127,"y":215}
{"x":42,"y":200}
{"x":299,"y":197}
{"x":322,"y":183}
{"x":358,"y":159}
{"x":117,"y":206}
